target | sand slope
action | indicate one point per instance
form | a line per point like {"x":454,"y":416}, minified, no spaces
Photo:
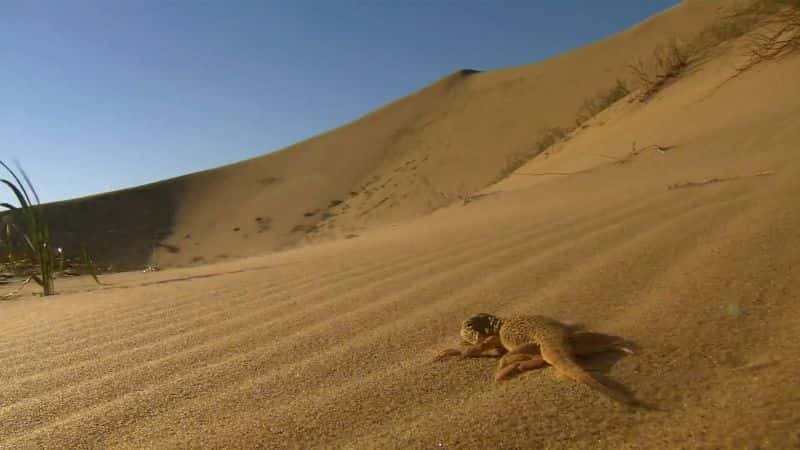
{"x":330,"y":345}
{"x":422,"y":152}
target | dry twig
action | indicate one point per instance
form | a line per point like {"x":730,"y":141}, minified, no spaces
{"x":689,"y":184}
{"x":635,"y":152}
{"x":17,"y":290}
{"x":542,"y":174}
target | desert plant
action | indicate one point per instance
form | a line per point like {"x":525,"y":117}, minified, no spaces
{"x":778,"y":33}
{"x":668,"y":62}
{"x":88,"y":264}
{"x":8,"y":244}
{"x":36,"y":233}
{"x":591,"y":107}
{"x":550,"y":137}
{"x":729,"y":29}
{"x":782,"y":14}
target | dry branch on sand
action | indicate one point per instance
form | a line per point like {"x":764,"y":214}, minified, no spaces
{"x":542,"y":174}
{"x":689,"y":184}
{"x":15,"y":292}
{"x":636,"y":151}
{"x":627,"y":158}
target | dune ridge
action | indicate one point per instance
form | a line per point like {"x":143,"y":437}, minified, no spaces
{"x":434,"y":147}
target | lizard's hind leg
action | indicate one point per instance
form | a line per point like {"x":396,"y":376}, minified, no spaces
{"x":528,"y":357}
{"x":518,"y":363}
{"x":521,"y":359}
{"x":518,"y":354}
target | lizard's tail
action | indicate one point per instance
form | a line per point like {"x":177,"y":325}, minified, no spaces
{"x":558,"y":357}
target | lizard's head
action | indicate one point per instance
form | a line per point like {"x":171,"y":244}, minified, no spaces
{"x":478,"y":327}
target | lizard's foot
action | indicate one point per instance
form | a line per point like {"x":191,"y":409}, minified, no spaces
{"x":508,"y":372}
{"x":513,"y":358}
{"x":519,"y":363}
{"x":447,"y":353}
{"x":490,"y":343}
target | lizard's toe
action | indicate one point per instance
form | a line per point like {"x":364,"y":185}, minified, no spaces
{"x":447,"y":353}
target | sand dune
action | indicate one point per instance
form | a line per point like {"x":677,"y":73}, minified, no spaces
{"x":330,"y":345}
{"x":415,"y":155}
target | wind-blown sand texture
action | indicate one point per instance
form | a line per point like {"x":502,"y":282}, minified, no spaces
{"x":330,"y":344}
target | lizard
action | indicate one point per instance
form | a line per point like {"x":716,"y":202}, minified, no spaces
{"x":528,"y":342}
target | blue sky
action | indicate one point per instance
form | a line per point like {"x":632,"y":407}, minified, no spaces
{"x":101,"y":95}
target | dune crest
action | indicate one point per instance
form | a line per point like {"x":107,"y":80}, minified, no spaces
{"x":432,"y":148}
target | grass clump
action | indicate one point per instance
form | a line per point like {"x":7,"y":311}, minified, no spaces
{"x":591,"y":107}
{"x":36,"y":233}
{"x":777,"y":31}
{"x":770,"y":30}
{"x":668,"y":62}
{"x":25,"y":239}
{"x":777,"y":22}
{"x":551,"y":136}
{"x":727,"y":30}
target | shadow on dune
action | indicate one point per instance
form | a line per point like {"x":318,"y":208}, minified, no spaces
{"x":120,"y":228}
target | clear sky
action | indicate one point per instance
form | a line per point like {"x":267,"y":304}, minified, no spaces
{"x":106,"y":94}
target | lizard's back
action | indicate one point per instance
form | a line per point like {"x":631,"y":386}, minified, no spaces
{"x":521,"y":330}
{"x":552,"y":338}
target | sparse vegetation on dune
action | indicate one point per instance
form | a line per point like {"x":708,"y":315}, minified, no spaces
{"x":601,"y":101}
{"x":777,"y":30}
{"x":772,"y":28}
{"x":668,"y":62}
{"x":550,"y":137}
{"x":590,"y":108}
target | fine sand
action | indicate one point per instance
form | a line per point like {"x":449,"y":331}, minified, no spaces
{"x":693,"y":253}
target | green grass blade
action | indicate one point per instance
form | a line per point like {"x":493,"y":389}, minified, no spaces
{"x":89,"y":264}
{"x":37,"y":226}
{"x":30,"y":243}
{"x":20,"y":197}
{"x":28,"y":181}
{"x":37,"y":233}
{"x":19,"y":183}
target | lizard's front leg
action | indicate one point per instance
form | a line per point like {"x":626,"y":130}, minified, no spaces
{"x":474,"y":351}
